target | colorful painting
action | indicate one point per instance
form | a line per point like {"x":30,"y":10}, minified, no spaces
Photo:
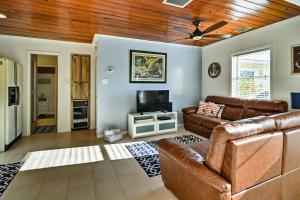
{"x":296,"y":59}
{"x":148,"y":67}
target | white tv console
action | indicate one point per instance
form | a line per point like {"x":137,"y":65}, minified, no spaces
{"x":146,"y":124}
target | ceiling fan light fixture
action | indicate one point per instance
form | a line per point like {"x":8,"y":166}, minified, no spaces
{"x":197,"y":37}
{"x":2,"y":16}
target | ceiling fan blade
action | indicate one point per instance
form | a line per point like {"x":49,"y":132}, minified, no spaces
{"x":182,"y":39}
{"x":215,"y":27}
{"x":182,"y":30}
{"x":221,"y":36}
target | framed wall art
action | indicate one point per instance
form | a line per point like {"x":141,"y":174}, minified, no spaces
{"x":148,"y":67}
{"x":296,"y":59}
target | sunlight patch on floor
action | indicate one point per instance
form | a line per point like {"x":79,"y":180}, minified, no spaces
{"x":119,"y":151}
{"x":61,"y":157}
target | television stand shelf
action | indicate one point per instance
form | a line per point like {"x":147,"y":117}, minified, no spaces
{"x":151,"y":123}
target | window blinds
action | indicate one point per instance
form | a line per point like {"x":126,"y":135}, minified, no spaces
{"x":251,"y":75}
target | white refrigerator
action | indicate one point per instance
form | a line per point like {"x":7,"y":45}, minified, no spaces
{"x":10,"y":103}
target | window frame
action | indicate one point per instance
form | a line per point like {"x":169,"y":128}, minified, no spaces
{"x":248,"y":51}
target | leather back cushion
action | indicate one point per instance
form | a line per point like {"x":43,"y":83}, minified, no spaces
{"x":291,"y":150}
{"x":252,"y":160}
{"x":267,"y":106}
{"x":229,"y":101}
{"x":290,"y":124}
{"x":287,"y":120}
{"x":232,"y":113}
{"x":236,"y":108}
{"x":232,"y":131}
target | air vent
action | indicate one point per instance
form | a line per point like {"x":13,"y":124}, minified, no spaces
{"x":243,"y":30}
{"x":177,"y":3}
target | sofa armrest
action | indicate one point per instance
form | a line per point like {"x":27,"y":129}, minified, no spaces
{"x":189,"y":110}
{"x":179,"y":162}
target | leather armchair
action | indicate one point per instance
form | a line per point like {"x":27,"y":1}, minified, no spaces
{"x":256,"y":158}
{"x":197,"y":177}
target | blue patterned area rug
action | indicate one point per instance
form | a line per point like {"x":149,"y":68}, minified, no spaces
{"x":7,"y":173}
{"x":146,"y":153}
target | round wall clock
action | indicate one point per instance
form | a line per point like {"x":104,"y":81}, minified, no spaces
{"x":214,"y":70}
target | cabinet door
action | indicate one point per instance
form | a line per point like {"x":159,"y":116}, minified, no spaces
{"x":85,"y":68}
{"x":76,"y":68}
{"x":80,"y":90}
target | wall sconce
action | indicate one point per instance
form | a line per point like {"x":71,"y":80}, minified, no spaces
{"x":109,"y":69}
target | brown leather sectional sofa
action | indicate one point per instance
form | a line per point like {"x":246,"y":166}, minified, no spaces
{"x":235,"y":109}
{"x":250,"y":159}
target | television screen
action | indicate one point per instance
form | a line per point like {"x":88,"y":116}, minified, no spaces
{"x":152,"y":100}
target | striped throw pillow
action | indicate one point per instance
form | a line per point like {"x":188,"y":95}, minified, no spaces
{"x":210,"y":109}
{"x":214,"y":110}
{"x":202,"y":108}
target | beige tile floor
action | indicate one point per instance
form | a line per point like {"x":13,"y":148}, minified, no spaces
{"x":104,"y":180}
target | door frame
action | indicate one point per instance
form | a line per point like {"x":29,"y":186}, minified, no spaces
{"x":28,"y":86}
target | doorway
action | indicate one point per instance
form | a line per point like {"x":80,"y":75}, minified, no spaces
{"x":44,"y":93}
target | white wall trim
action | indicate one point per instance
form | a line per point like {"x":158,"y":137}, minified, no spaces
{"x":252,"y":49}
{"x":27,"y":108}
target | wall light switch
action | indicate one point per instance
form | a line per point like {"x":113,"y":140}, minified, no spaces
{"x":105,"y":81}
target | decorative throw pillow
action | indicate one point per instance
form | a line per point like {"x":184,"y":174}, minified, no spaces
{"x":210,"y":109}
{"x":222,"y":106}
{"x":202,"y":107}
{"x":214,"y":110}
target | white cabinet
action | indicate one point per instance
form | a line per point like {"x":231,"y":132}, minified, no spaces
{"x":151,"y":123}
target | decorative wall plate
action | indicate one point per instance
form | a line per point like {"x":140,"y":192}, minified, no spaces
{"x":214,"y":70}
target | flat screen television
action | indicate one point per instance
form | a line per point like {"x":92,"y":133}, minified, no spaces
{"x":153,"y":100}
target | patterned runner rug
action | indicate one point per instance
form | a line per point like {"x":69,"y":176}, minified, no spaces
{"x":43,"y":129}
{"x":146,"y":153}
{"x":7,"y":173}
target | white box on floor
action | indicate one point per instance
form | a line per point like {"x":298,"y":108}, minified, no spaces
{"x":113,"y":135}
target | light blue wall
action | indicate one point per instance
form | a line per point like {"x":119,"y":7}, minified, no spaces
{"x":118,"y":98}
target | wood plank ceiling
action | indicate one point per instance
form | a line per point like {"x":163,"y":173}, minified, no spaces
{"x":79,"y":20}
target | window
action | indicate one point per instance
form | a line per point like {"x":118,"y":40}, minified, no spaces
{"x":251,"y":74}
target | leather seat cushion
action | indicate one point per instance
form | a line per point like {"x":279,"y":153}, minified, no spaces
{"x":205,"y":121}
{"x":200,"y":147}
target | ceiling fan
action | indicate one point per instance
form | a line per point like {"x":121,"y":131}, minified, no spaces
{"x":198,"y":34}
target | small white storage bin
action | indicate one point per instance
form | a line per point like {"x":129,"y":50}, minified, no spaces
{"x":113,"y":135}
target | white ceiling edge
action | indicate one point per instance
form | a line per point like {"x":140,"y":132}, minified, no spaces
{"x":296,"y":2}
